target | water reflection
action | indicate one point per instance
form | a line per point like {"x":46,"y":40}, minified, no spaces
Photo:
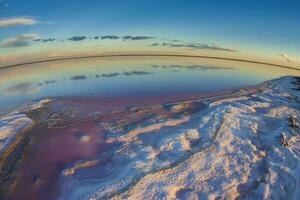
{"x":193,"y":67}
{"x":128,"y":77}
{"x":25,"y":88}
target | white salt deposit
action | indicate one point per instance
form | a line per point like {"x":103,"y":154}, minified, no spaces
{"x":15,"y":122}
{"x":230,"y":149}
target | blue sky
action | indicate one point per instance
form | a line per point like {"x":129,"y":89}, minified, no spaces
{"x":249,"y":24}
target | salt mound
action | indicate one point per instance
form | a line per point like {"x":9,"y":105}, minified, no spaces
{"x":15,"y":122}
{"x":231,"y":150}
{"x":237,"y":160}
{"x":10,"y":126}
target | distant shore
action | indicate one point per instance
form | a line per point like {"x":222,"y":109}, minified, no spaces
{"x":145,"y":55}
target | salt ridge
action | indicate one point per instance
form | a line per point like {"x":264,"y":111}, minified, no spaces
{"x":233,"y":148}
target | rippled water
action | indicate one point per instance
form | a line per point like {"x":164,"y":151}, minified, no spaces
{"x":129,"y":77}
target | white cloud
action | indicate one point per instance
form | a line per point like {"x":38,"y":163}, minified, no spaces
{"x":287,"y":58}
{"x":17,"y":21}
{"x":20,"y":40}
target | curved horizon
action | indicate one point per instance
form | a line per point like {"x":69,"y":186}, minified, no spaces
{"x":146,"y":55}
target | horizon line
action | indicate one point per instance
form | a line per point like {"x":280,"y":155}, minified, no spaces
{"x":145,"y":55}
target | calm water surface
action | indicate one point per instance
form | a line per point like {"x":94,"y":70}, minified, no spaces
{"x":128,"y":77}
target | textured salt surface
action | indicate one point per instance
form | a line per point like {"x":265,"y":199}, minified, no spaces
{"x":15,"y":122}
{"x":244,"y":146}
{"x":10,"y":126}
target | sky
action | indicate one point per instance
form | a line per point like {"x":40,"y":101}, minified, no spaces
{"x":256,"y":28}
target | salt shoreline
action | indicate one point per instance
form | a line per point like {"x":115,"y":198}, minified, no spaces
{"x":235,"y":128}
